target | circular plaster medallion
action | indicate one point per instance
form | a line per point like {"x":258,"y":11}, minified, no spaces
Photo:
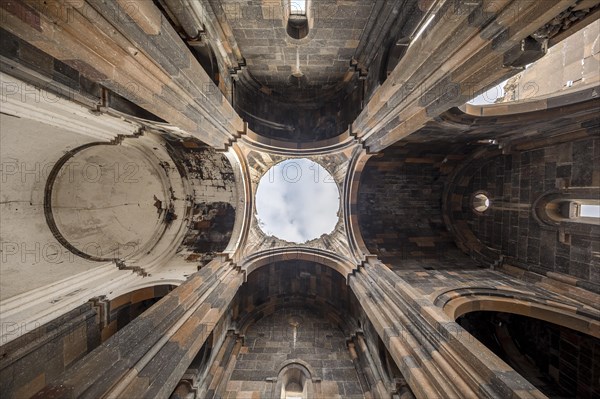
{"x":106,"y":202}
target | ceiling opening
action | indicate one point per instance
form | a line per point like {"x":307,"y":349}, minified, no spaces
{"x":297,"y":200}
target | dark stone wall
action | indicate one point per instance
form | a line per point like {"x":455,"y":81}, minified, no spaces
{"x":401,"y":217}
{"x":302,"y":90}
{"x":39,"y":356}
{"x":315,"y":119}
{"x":307,"y":293}
{"x":211,"y":229}
{"x":293,"y":282}
{"x":57,"y":71}
{"x":559,"y":361}
{"x":317,"y":341}
{"x":400,"y":206}
{"x":514,"y":182}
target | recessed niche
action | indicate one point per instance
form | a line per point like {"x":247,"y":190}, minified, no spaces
{"x":297,"y":200}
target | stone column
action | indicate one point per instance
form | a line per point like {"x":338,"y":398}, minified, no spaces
{"x":461,"y":52}
{"x":436,"y":356}
{"x":131,"y":49}
{"x":148,"y":357}
{"x":215,"y":383}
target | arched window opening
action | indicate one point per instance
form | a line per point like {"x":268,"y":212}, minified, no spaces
{"x":578,"y":211}
{"x":295,"y":381}
{"x":557,"y":360}
{"x":570,"y":211}
{"x":298,"y":19}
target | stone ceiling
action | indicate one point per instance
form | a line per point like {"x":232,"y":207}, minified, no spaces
{"x":272,"y":55}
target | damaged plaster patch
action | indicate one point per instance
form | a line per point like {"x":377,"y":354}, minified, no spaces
{"x":211,"y":213}
{"x":210,"y":230}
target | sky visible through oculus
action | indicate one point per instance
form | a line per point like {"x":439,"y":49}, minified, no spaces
{"x":297,"y":200}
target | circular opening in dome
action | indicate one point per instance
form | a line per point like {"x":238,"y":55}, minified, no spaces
{"x":297,"y":200}
{"x":481,"y":202}
{"x":297,"y":26}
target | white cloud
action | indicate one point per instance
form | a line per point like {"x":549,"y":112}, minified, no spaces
{"x":297,"y":200}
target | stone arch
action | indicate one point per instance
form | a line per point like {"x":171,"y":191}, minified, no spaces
{"x":289,"y":312}
{"x":243,"y":186}
{"x":142,"y":284}
{"x":542,"y":104}
{"x":351,"y":190}
{"x":326,"y":258}
{"x":208,"y":60}
{"x":339,"y":142}
{"x":570,"y":314}
{"x":295,"y":282}
{"x":305,"y":121}
{"x":452,"y":202}
{"x":544,"y":340}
